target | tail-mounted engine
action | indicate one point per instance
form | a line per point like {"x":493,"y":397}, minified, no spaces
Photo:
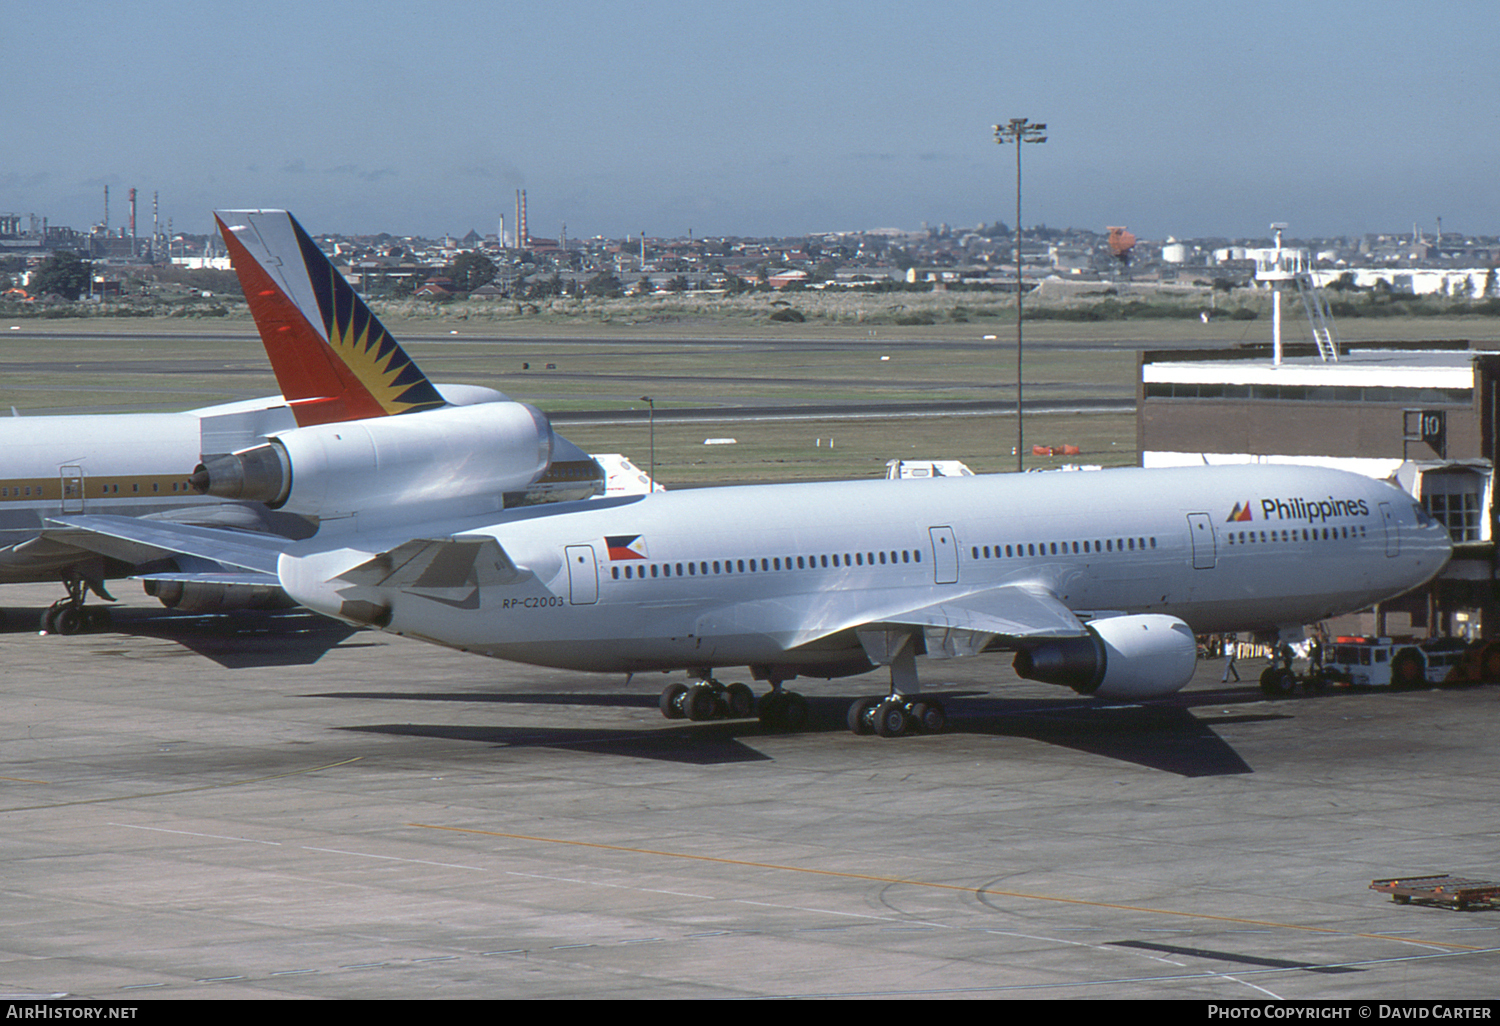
{"x":437,"y":456}
{"x":1124,"y":657}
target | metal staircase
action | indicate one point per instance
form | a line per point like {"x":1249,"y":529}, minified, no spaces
{"x":1315,"y":304}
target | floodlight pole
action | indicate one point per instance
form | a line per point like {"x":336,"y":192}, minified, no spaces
{"x":1018,"y":131}
{"x":651,"y":415}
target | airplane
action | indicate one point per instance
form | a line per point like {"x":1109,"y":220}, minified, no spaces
{"x":138,"y":465}
{"x":1096,"y":581}
{"x":129,"y":464}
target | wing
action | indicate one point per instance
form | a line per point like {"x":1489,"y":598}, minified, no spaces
{"x":966,"y":626}
{"x":1010,"y":615}
{"x":134,"y":540}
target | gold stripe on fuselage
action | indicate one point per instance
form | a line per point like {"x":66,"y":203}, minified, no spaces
{"x":141,"y":486}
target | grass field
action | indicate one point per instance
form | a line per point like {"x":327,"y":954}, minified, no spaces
{"x":118,"y":365}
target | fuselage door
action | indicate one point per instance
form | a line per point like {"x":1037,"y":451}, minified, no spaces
{"x":1392,"y":530}
{"x":583,"y":575}
{"x":72,"y":489}
{"x":1201,"y":529}
{"x":944,"y":555}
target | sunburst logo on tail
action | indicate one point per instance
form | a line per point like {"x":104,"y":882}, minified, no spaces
{"x":361,"y":341}
{"x":1240,"y":513}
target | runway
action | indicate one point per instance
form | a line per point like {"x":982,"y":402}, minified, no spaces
{"x":276,"y":806}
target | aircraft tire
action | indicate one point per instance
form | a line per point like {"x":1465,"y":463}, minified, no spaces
{"x":1277,"y":683}
{"x":670,"y":702}
{"x":700,"y":703}
{"x":783,"y":711}
{"x":891,"y":718}
{"x":769,"y":709}
{"x":794,"y":716}
{"x":69,"y":620}
{"x":1407,"y":672}
{"x":859,"y":715}
{"x":929,"y":716}
{"x":741,"y":700}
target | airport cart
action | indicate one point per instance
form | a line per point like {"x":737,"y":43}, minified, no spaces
{"x":1448,"y":891}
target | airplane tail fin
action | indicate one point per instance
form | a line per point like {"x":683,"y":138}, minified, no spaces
{"x":333,"y":358}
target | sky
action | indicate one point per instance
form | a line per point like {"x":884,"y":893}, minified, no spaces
{"x":758,"y":117}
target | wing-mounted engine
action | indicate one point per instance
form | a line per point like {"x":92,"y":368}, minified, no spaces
{"x":1122,"y":657}
{"x":216,"y":597}
{"x":466,"y":458}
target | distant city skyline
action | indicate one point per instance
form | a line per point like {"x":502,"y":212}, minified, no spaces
{"x":769,"y":118}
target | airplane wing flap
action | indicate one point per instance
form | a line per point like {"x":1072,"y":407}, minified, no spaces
{"x":961,"y":626}
{"x":1007,"y":611}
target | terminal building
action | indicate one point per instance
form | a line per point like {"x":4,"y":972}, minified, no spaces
{"x":1422,"y":415}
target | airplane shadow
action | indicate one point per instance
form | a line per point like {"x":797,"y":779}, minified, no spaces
{"x":1168,"y":737}
{"x":249,"y":639}
{"x":243,"y":639}
{"x":699,"y":744}
{"x":1165,"y":737}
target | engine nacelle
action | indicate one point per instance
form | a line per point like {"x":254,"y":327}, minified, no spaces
{"x":1123,"y":657}
{"x":199,"y":597}
{"x":442,"y":455}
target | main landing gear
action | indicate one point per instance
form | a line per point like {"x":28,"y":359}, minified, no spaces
{"x":905,"y":710}
{"x":896,"y":714}
{"x":69,"y":615}
{"x":707,"y":699}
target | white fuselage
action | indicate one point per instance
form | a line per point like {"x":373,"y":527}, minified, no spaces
{"x":133,"y":465}
{"x":129,"y":464}
{"x":780,"y":575}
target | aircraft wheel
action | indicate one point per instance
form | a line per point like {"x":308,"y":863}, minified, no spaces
{"x":794,"y":717}
{"x":859,"y":715}
{"x":1406,"y":671}
{"x":48,"y":622}
{"x":741,"y":700}
{"x":783,"y":710}
{"x":891,"y":718}
{"x":700,"y":703}
{"x":1277,"y":683}
{"x":69,"y":620}
{"x":929,"y":716}
{"x":670,"y":702}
